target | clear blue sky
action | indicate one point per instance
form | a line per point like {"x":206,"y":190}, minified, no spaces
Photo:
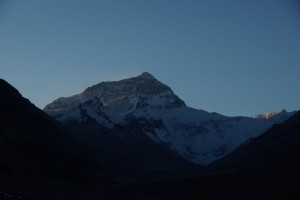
{"x":235,"y":57}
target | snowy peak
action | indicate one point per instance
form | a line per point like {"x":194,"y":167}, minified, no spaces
{"x":269,"y":115}
{"x":144,"y":84}
{"x":119,"y":98}
{"x":146,"y":75}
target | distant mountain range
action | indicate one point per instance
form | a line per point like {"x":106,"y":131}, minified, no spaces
{"x":150,"y":108}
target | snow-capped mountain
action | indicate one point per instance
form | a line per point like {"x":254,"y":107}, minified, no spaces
{"x":110,"y":102}
{"x":149,"y":106}
{"x":268,"y":115}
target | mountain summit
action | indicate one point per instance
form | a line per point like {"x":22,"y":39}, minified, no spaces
{"x":146,"y":75}
{"x":117,"y":99}
{"x":151,"y":108}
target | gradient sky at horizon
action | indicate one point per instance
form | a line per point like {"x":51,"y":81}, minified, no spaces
{"x":234,"y":57}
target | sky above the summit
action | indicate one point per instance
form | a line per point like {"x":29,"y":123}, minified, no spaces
{"x":234,"y":57}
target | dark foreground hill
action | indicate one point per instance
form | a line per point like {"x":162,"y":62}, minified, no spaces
{"x":32,"y":142}
{"x":35,"y":150}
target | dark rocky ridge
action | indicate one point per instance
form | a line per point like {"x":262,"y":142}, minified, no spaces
{"x":33,"y":142}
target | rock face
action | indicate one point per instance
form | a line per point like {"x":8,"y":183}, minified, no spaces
{"x":151,"y":108}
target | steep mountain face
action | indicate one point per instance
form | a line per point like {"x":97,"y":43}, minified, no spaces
{"x":146,"y":106}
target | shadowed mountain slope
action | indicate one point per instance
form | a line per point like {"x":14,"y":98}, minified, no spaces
{"x":32,"y":142}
